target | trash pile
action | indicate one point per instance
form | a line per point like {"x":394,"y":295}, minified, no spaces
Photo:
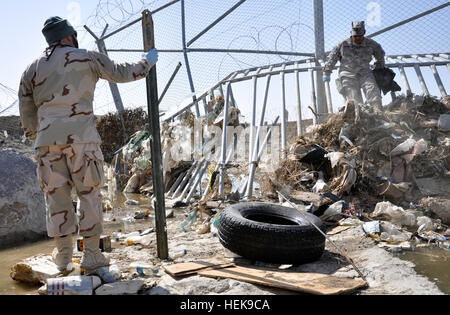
{"x":111,"y":130}
{"x":131,"y":163}
{"x":388,"y":172}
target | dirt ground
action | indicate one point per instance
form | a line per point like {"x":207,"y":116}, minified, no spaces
{"x":385,"y":274}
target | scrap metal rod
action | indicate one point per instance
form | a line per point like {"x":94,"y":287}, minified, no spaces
{"x":261,"y":151}
{"x":340,"y":251}
{"x":185,"y":180}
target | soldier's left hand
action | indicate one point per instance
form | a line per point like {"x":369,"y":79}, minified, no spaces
{"x":152,"y":56}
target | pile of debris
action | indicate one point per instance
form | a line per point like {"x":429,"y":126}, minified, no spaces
{"x":358,"y":166}
{"x":372,"y":165}
{"x":111,"y":129}
{"x":135,"y":157}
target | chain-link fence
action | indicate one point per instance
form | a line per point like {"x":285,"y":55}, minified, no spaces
{"x":275,"y":31}
{"x":426,"y":34}
{"x":243,"y":34}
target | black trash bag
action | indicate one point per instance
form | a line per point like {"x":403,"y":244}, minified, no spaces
{"x":385,"y":80}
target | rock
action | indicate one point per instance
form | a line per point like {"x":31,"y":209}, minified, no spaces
{"x":309,"y":198}
{"x":334,"y":212}
{"x":34,"y":270}
{"x":22,"y":204}
{"x":131,"y":202}
{"x":133,"y":184}
{"x":130,"y":287}
{"x":434,"y":186}
{"x":444,"y":122}
{"x":439,"y":206}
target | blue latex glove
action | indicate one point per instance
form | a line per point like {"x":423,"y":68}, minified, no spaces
{"x":151,"y":56}
{"x":326,"y":77}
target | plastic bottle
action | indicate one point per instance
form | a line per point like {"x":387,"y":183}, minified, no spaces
{"x":73,"y":285}
{"x":105,"y":275}
{"x":214,"y":230}
{"x":137,"y":239}
{"x":142,"y":269}
{"x":188,"y":221}
{"x":395,"y":238}
{"x":177,"y":254}
{"x":115,"y":272}
{"x":132,"y":240}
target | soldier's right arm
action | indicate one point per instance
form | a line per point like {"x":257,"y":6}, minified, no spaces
{"x":27,"y":108}
{"x":118,"y":73}
{"x":333,"y":58}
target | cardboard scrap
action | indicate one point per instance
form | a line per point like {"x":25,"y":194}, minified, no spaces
{"x":312,"y":283}
{"x":187,"y":268}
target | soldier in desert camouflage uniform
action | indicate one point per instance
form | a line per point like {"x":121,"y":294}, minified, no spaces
{"x":355,"y":55}
{"x":56,"y":94}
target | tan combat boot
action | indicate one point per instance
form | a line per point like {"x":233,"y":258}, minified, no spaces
{"x":92,"y":256}
{"x":62,"y":254}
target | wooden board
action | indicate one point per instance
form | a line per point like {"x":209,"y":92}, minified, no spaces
{"x":312,"y":283}
{"x":183,"y":269}
{"x":338,"y":229}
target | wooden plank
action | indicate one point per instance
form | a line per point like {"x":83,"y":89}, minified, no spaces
{"x":338,"y":229}
{"x":187,"y":268}
{"x":312,"y":283}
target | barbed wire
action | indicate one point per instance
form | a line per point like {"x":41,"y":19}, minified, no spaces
{"x":116,"y":12}
{"x":8,"y":99}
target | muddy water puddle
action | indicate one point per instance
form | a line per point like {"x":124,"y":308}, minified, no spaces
{"x":433,"y":263}
{"x":120,"y":219}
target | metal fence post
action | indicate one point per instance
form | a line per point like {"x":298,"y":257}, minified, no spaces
{"x":153,"y":114}
{"x":283,"y":113}
{"x":224,"y":142}
{"x":253,"y":121}
{"x":299,"y":103}
{"x":319,"y":39}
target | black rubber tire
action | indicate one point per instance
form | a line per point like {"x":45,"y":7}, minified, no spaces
{"x":271,"y":233}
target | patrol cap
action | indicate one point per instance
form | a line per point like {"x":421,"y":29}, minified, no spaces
{"x":56,"y":28}
{"x":358,"y":28}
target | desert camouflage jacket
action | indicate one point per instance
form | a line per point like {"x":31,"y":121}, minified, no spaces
{"x":57,"y":90}
{"x":355,"y":58}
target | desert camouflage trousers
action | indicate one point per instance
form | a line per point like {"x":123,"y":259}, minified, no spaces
{"x":352,"y":84}
{"x":62,"y":167}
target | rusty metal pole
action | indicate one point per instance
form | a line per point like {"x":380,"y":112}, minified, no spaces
{"x":153,"y":114}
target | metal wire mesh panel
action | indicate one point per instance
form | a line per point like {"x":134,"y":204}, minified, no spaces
{"x":8,"y":101}
{"x":275,"y":27}
{"x":423,"y":35}
{"x":222,"y":37}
